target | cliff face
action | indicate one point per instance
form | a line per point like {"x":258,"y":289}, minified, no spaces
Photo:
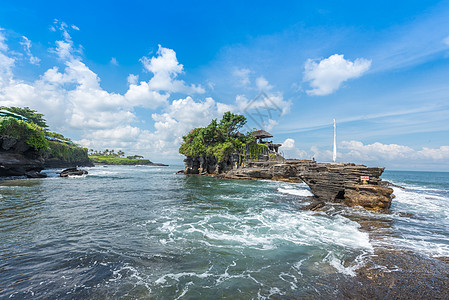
{"x":18,"y":159}
{"x":329,"y":182}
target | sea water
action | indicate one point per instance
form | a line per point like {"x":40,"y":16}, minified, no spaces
{"x":144,"y":232}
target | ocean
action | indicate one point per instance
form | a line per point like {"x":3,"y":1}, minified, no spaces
{"x":142,"y":232}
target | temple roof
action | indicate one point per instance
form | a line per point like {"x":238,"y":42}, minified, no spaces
{"x":261,"y":134}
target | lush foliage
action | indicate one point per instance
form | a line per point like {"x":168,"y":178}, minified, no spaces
{"x":28,"y":113}
{"x":111,"y":160}
{"x":220,"y":139}
{"x":66,"y":152}
{"x":31,"y":133}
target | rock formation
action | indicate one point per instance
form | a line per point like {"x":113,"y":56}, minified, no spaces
{"x":18,"y":159}
{"x":72,"y":172}
{"x":329,"y":182}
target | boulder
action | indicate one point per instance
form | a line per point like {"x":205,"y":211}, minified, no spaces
{"x":72,"y":172}
{"x":370,"y":196}
{"x":35,"y":174}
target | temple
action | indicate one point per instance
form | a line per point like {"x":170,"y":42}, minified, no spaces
{"x":261,"y":134}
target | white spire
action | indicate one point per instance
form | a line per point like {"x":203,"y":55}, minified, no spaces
{"x":334,"y":156}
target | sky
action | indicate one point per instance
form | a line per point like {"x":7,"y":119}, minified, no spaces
{"x":138,"y":75}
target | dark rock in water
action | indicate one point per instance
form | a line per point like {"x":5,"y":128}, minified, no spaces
{"x":316,"y":205}
{"x":17,"y":164}
{"x":180,"y":172}
{"x":35,"y":174}
{"x":354,"y":185}
{"x":72,"y":172}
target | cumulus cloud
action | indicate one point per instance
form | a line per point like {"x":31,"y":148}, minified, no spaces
{"x":165,"y":68}
{"x":327,"y":75}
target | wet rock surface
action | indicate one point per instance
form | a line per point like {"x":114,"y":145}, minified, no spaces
{"x":329,"y":182}
{"x":400,"y":274}
{"x":73,"y":172}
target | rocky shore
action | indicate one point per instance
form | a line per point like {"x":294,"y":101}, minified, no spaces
{"x":18,"y":159}
{"x":329,"y":182}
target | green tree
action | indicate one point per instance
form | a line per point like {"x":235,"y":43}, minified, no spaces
{"x":217,"y":139}
{"x":28,"y":113}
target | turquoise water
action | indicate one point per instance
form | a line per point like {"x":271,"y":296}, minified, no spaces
{"x":144,"y":232}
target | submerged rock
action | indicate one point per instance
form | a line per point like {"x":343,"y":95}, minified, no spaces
{"x":72,"y":172}
{"x":35,"y":174}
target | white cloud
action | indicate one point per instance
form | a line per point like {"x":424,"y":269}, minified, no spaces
{"x":165,"y":69}
{"x":242,"y":76}
{"x":393,"y":152}
{"x":6,"y":62}
{"x":289,"y":150}
{"x":327,"y":75}
{"x":142,"y":95}
{"x":376,"y":151}
{"x":132,"y":79}
{"x":175,"y":121}
{"x":262,"y":84}
{"x":26,"y":43}
{"x":288,"y":144}
{"x":113,"y":61}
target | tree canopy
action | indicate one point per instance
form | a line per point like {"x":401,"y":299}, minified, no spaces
{"x":218,"y":138}
{"x":28,"y":113}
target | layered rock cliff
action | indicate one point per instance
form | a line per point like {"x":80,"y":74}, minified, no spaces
{"x":329,"y":182}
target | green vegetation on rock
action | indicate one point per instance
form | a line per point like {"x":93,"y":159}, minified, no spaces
{"x":31,"y":133}
{"x":68,"y":153}
{"x":219,"y":139}
{"x":28,"y":113}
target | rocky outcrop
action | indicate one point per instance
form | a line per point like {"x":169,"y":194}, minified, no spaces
{"x":329,"y":182}
{"x":72,"y":172}
{"x":17,"y":158}
{"x":369,"y":196}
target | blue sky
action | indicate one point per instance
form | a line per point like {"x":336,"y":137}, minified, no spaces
{"x":137,"y":75}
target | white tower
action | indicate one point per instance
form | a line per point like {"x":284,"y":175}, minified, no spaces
{"x":334,"y":154}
